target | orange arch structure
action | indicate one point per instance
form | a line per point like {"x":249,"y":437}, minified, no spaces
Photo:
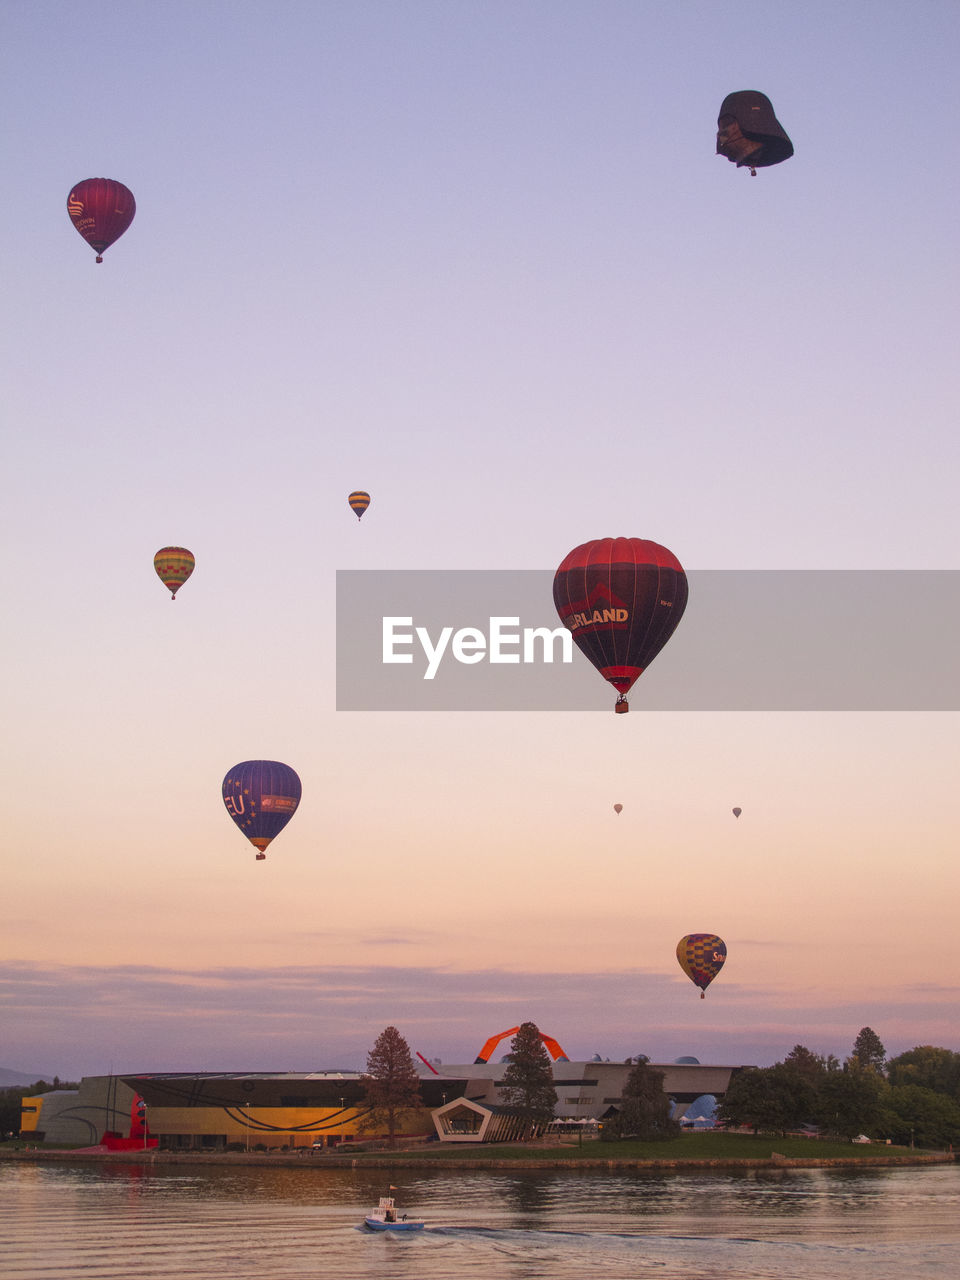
{"x":554,"y":1049}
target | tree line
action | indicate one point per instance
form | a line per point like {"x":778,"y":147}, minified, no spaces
{"x":912,"y":1099}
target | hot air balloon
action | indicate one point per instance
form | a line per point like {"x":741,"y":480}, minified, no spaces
{"x":749,"y":134}
{"x":261,"y":797}
{"x":101,"y":210}
{"x":618,"y":808}
{"x":359,"y":501}
{"x":737,"y":812}
{"x":622,"y":598}
{"x":701,"y":957}
{"x":174,"y":566}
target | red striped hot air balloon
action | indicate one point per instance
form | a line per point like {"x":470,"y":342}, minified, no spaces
{"x":101,"y":210}
{"x":359,"y":501}
{"x":622,"y":598}
{"x":174,"y":566}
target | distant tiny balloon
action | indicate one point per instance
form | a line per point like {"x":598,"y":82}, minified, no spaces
{"x":359,"y":501}
{"x":174,"y":566}
{"x":737,"y":812}
{"x":618,"y":808}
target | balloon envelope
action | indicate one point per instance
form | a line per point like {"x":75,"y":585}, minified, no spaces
{"x":261,"y":796}
{"x":617,"y":808}
{"x":101,"y":210}
{"x":359,"y":501}
{"x":174,"y":566}
{"x":748,"y":132}
{"x":701,"y":957}
{"x":622,"y":598}
{"x":737,"y":812}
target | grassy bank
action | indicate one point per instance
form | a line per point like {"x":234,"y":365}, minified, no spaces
{"x":694,"y":1150}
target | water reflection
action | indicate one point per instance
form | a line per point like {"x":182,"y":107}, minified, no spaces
{"x":87,"y":1222}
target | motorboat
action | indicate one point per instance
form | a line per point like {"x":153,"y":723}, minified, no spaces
{"x":386,"y":1218}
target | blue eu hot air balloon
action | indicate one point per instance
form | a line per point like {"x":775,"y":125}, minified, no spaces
{"x":261,"y":797}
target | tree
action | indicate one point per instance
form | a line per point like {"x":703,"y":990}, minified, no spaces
{"x":849,"y":1100}
{"x":645,"y":1111}
{"x":929,"y":1067}
{"x":808,"y":1064}
{"x":391,"y":1084}
{"x":914,"y":1116}
{"x":528,"y":1080}
{"x":868,"y":1050}
{"x":772,"y":1099}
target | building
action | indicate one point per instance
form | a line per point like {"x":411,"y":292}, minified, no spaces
{"x":257,"y":1110}
{"x":82,"y":1117}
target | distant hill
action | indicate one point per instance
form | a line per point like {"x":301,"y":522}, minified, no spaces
{"x":10,"y":1078}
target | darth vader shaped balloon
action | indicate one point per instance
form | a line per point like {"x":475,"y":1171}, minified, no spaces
{"x":749,"y":134}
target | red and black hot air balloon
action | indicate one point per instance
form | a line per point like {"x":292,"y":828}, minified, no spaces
{"x":622,"y":598}
{"x":101,"y":210}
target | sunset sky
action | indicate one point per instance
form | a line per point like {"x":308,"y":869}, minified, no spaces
{"x":481,"y":260}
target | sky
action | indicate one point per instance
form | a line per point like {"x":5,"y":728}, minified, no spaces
{"x":481,"y":260}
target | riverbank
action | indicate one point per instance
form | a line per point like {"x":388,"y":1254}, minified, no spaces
{"x":729,"y":1152}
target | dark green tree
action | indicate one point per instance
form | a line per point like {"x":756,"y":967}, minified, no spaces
{"x":528,"y":1080}
{"x":929,"y":1067}
{"x":914,"y":1116}
{"x":391,"y":1084}
{"x":645,"y":1110}
{"x":848,"y":1101}
{"x":809,"y":1064}
{"x":868,"y":1049}
{"x":769,"y":1099}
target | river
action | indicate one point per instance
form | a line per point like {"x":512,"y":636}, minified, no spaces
{"x":132,"y":1222}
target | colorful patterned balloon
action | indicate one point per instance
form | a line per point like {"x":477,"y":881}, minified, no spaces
{"x":174,"y":566}
{"x":701,"y":957}
{"x":359,"y":501}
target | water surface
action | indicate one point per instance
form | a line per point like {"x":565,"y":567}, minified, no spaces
{"x":97,"y":1222}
